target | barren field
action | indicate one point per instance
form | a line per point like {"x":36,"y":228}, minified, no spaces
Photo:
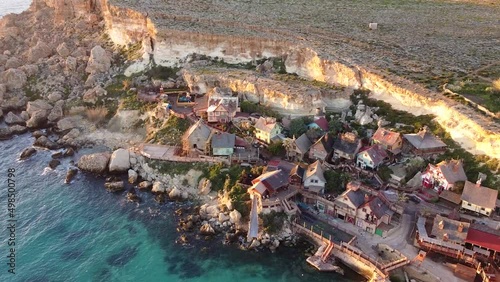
{"x":429,"y":42}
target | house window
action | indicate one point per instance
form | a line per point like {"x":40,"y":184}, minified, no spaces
{"x":364,"y":210}
{"x":469,"y":204}
{"x":482,"y":209}
{"x":217,"y":113}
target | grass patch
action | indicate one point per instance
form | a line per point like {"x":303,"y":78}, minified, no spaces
{"x":161,"y":72}
{"x":172,"y":168}
{"x":171,"y":131}
{"x":483,"y":94}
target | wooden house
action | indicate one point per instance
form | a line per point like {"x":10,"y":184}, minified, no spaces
{"x":321,"y":149}
{"x":389,"y":140}
{"x":314,"y":179}
{"x":443,"y":175}
{"x":266,"y":129}
{"x":479,"y":199}
{"x":424,"y":143}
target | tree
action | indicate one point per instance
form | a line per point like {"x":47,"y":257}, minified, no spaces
{"x":276,"y":149}
{"x":298,"y":126}
{"x":335,"y":126}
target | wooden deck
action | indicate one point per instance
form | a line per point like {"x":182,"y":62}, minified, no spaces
{"x":168,"y":153}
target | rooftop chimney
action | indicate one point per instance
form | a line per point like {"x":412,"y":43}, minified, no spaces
{"x":445,"y":237}
{"x":460,"y":227}
{"x":441,"y":225}
{"x":478,"y":182}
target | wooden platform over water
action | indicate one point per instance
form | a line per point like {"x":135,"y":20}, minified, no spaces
{"x":327,"y":266}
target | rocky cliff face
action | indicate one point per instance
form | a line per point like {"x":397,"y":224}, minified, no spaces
{"x":169,"y":45}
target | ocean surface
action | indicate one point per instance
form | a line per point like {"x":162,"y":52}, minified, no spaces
{"x":80,"y":232}
{"x":13,"y":6}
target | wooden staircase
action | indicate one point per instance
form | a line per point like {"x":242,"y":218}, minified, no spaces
{"x":327,"y":251}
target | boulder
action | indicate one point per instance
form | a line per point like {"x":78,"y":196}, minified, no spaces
{"x":175,"y":193}
{"x":55,"y":96}
{"x":70,"y":64}
{"x":185,"y":195}
{"x":235,"y":217}
{"x":13,"y":63}
{"x":18,"y":129}
{"x":69,"y":152}
{"x":54,"y":163}
{"x":223,"y":217}
{"x":120,"y":161}
{"x":13,"y":79}
{"x":115,"y":186}
{"x":145,"y":185}
{"x":38,"y":133}
{"x":26,"y":153}
{"x":99,"y":61}
{"x":255,"y":243}
{"x":67,"y":123}
{"x":37,"y":106}
{"x":24,"y":115}
{"x":37,"y":120}
{"x":70,"y":175}
{"x":91,"y":95}
{"x":204,"y":186}
{"x":45,"y":142}
{"x":207,"y":229}
{"x":132,"y":176}
{"x":96,"y":163}
{"x":63,"y":50}
{"x":132,"y":196}
{"x":57,"y":112}
{"x":213,"y":211}
{"x":57,"y":155}
{"x":5,"y":133}
{"x":40,"y":50}
{"x":158,"y":187}
{"x":12,"y":118}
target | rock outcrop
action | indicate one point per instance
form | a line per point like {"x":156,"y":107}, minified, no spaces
{"x":132,"y":176}
{"x":13,"y":79}
{"x":99,"y":61}
{"x":120,"y":161}
{"x":96,"y":163}
{"x":26,"y":153}
{"x":12,"y":118}
{"x":158,"y":187}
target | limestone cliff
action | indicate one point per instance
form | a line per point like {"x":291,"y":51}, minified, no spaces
{"x":171,"y":37}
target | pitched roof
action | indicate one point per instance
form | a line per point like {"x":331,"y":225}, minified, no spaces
{"x":315,"y":169}
{"x":265,"y":124}
{"x":203,"y":129}
{"x":303,"y":143}
{"x":357,"y":197}
{"x":386,"y":137}
{"x":450,"y":196}
{"x":452,"y":170}
{"x":223,"y":140}
{"x":347,"y":143}
{"x":479,"y":195}
{"x":376,"y":154}
{"x":201,"y":103}
{"x":424,"y":139}
{"x":483,"y":239}
{"x":298,"y":171}
{"x":379,"y":208}
{"x":273,"y":180}
{"x":326,"y":141}
{"x":322,"y":123}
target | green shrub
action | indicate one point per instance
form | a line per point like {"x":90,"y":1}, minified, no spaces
{"x":273,"y":221}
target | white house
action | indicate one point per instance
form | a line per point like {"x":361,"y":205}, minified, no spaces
{"x":314,"y":180}
{"x":266,"y":129}
{"x":478,"y":198}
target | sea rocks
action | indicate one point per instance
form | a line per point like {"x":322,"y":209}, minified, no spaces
{"x":158,"y":187}
{"x":54,"y":163}
{"x":69,"y":152}
{"x":99,"y":61}
{"x":37,"y":120}
{"x":132,"y":176}
{"x":207,"y":229}
{"x":70,"y":175}
{"x":13,"y":79}
{"x":57,"y":155}
{"x":18,"y":129}
{"x":175,"y":194}
{"x":132,"y":196}
{"x":26,"y":153}
{"x":37,"y":106}
{"x":115,"y":186}
{"x":235,"y":217}
{"x":57,"y":112}
{"x":145,"y":185}
{"x":120,"y":161}
{"x":96,"y":163}
{"x":12,"y":118}
{"x":255,"y":243}
{"x":45,"y":142}
{"x":67,"y":123}
{"x":5,"y":133}
{"x":223,"y":217}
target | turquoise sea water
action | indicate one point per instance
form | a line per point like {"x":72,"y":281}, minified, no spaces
{"x":80,"y":232}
